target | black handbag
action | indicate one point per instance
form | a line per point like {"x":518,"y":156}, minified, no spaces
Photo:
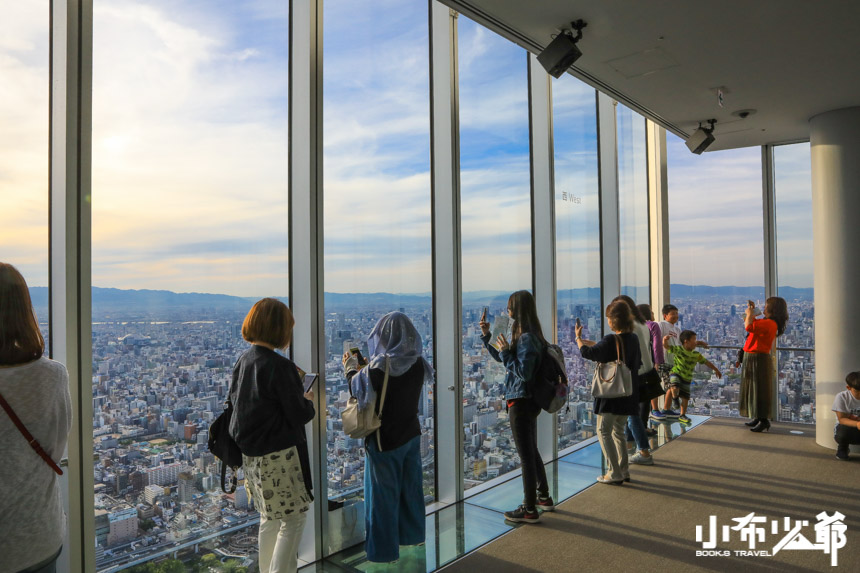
{"x":650,"y":386}
{"x":223,"y":447}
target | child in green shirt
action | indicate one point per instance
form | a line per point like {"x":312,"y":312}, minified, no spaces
{"x":681,"y":376}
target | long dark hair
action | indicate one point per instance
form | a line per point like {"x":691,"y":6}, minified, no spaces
{"x":634,"y":310}
{"x":776,"y":310}
{"x":20,"y":338}
{"x":524,"y":312}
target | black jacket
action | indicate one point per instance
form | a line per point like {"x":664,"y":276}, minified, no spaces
{"x":400,"y":412}
{"x":605,"y":351}
{"x":270,"y":410}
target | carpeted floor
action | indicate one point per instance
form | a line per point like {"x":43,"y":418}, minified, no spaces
{"x":719,"y":468}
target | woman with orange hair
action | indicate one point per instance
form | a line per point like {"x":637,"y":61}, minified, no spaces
{"x":268,"y":424}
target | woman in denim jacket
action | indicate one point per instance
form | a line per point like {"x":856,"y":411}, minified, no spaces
{"x":521,"y":357}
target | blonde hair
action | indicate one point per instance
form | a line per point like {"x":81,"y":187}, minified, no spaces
{"x":269,"y":321}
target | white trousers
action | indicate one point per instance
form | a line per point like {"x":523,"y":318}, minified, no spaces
{"x":279,"y":542}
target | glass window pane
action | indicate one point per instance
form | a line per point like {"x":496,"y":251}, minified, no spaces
{"x":495,"y":217}
{"x":717,"y":259}
{"x":793,"y":191}
{"x":577,"y":236}
{"x":633,"y":205}
{"x":378,"y":217}
{"x":24,"y":112}
{"x":190,"y":196}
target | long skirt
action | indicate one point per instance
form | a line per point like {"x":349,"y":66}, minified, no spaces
{"x":756,"y":399}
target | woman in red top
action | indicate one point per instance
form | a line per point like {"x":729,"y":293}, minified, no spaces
{"x":756,"y":399}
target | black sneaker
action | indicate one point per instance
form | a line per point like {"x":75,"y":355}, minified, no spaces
{"x":523,"y":515}
{"x":842,"y":453}
{"x":545,"y":503}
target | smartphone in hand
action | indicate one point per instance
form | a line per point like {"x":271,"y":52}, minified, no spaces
{"x":309,"y":380}
{"x":578,"y":322}
{"x":485,"y":313}
{"x":362,"y":361}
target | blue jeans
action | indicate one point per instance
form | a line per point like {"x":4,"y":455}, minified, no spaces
{"x":636,"y":430}
{"x":393,"y":499}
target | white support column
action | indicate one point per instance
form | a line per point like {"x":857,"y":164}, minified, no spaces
{"x":835,"y":144}
{"x":543,"y":226}
{"x":447,"y":281}
{"x":306,"y":241}
{"x":70,"y":258}
{"x":658,"y":214}
{"x":610,"y":250}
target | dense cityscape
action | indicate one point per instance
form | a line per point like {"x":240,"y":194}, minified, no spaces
{"x":161,"y":376}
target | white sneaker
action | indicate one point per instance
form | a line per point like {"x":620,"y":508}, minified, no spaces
{"x":638,"y":458}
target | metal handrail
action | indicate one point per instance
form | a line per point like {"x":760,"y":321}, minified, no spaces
{"x":784,"y":348}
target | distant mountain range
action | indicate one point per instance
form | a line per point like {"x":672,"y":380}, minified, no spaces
{"x":113,"y":300}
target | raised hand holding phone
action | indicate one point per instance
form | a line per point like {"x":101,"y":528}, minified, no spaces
{"x":362,"y":361}
{"x":753,"y":308}
{"x":485,"y":326}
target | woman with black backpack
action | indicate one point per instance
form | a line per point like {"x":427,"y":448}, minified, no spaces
{"x":521,"y":358}
{"x":271,"y":409}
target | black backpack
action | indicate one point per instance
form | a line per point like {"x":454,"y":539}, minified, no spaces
{"x":549,"y":384}
{"x":224,"y":447}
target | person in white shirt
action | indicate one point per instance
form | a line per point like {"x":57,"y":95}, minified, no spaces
{"x":847,"y":408}
{"x":668,"y":327}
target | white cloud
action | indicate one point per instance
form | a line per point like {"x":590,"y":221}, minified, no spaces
{"x":24,"y":85}
{"x":715,"y":216}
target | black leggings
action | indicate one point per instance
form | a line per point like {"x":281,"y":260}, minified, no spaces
{"x":523,"y":414}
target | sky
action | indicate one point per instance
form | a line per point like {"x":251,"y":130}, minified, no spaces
{"x":715,"y":216}
{"x":190,"y":158}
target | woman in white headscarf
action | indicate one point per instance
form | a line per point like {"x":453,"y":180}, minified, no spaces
{"x":393,"y":489}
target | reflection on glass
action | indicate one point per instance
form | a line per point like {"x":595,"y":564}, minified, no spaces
{"x":577,"y":236}
{"x":565,"y":480}
{"x":495,"y":229}
{"x":190,"y":197}
{"x":796,"y":384}
{"x":715,"y":241}
{"x":24,"y":112}
{"x":451,"y":533}
{"x":378,"y":218}
{"x":633,"y":204}
{"x":793,"y":192}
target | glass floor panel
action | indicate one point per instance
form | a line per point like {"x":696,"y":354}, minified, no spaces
{"x":565,"y":480}
{"x":461,"y":528}
{"x":590,"y":456}
{"x":671,"y":429}
{"x":451,"y":533}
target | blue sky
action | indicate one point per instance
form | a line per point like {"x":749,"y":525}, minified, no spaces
{"x":190,"y":158}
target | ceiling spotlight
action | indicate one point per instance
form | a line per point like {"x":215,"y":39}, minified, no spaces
{"x":702,"y":138}
{"x":560,"y":54}
{"x":743,"y":113}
